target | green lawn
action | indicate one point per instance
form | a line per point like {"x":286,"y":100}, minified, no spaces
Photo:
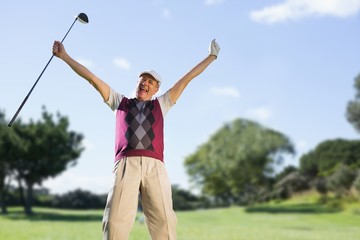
{"x":298,"y":221}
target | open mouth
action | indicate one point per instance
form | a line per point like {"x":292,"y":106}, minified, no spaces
{"x":143,"y":90}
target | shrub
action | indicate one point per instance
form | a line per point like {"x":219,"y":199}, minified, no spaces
{"x":341,"y":180}
{"x":321,"y":186}
{"x":356,"y":183}
{"x":79,"y":199}
{"x":293,"y":182}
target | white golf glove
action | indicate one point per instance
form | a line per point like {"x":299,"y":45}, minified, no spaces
{"x":214,"y":48}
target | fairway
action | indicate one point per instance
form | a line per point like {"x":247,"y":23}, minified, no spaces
{"x":303,"y":223}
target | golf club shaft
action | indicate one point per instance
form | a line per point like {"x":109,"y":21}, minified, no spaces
{"x":37,"y":80}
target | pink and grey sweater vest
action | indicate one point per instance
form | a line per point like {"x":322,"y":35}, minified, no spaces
{"x":139,"y":129}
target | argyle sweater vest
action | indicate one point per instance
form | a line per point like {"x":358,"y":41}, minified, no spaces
{"x":139,"y":129}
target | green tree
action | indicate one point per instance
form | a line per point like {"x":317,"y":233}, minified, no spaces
{"x":10,"y":146}
{"x":48,"y":148}
{"x":353,"y":107}
{"x":237,"y":160}
{"x":4,"y":166}
{"x":286,"y":171}
{"x":328,"y":156}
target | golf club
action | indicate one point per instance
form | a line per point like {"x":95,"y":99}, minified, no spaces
{"x":82,"y":17}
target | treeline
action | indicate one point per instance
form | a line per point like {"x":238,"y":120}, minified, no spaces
{"x":333,"y":167}
{"x":84,"y":199}
{"x":76,"y":199}
{"x":235,"y":166}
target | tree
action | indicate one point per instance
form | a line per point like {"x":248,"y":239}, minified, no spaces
{"x":10,"y":145}
{"x":48,"y":148}
{"x":328,"y":156}
{"x":237,"y":160}
{"x":353,"y":107}
{"x":286,"y":171}
{"x":4,"y":169}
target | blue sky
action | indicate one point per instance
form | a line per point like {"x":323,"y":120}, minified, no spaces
{"x":288,"y":64}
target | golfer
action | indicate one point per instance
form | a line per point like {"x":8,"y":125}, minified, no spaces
{"x":139,"y":146}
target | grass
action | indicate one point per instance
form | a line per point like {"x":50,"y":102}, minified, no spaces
{"x":299,"y":220}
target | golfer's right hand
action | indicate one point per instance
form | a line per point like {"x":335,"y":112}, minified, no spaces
{"x":58,"y":49}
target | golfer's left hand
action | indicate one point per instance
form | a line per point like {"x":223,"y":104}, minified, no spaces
{"x":214,"y":48}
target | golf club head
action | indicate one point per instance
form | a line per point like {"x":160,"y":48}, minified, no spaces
{"x":82,"y":17}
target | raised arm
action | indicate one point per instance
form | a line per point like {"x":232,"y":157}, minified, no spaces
{"x":180,"y":85}
{"x":60,"y":52}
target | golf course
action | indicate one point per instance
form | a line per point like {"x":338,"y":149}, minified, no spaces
{"x":298,"y":219}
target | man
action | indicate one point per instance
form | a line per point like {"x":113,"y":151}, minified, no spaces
{"x":139,"y":146}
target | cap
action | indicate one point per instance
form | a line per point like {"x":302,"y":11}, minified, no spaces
{"x":153,"y":74}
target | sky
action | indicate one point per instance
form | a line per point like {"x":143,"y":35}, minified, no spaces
{"x":289,"y":65}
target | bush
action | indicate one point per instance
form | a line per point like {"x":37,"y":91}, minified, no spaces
{"x":79,"y":199}
{"x":293,"y":182}
{"x":341,"y":180}
{"x":356,"y":183}
{"x":321,"y":186}
{"x":184,"y":200}
{"x":336,"y":204}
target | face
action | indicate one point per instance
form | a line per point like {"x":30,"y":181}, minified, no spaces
{"x":146,"y":87}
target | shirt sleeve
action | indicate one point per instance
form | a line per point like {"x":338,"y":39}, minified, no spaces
{"x":165,"y":103}
{"x":114,"y":99}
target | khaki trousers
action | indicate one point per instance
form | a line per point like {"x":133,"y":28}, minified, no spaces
{"x":147,"y":175}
